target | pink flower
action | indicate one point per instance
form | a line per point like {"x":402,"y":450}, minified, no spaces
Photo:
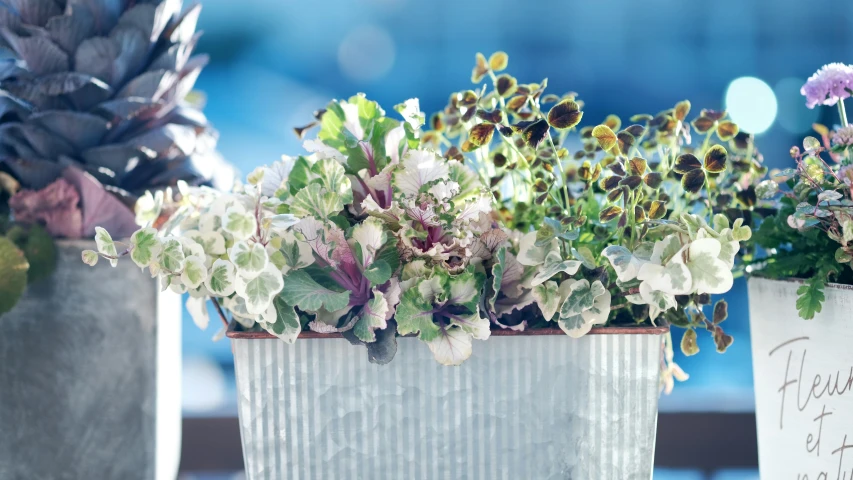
{"x":56,"y":206}
{"x":828,"y":85}
{"x":843,"y":136}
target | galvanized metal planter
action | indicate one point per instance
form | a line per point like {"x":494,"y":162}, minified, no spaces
{"x":90,"y":376}
{"x":532,"y":405}
{"x":803,"y":381}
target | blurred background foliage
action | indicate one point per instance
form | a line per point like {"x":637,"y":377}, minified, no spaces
{"x":273,"y":62}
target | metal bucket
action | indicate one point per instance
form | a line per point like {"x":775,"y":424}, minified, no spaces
{"x":529,"y":405}
{"x":90,"y":375}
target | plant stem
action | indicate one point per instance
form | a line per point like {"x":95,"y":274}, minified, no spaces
{"x":220,"y":312}
{"x":842,"y":112}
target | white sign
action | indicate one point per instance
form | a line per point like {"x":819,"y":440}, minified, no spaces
{"x":803,"y":383}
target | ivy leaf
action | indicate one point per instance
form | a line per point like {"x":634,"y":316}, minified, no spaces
{"x":197,"y":308}
{"x":811,"y":296}
{"x":552,"y":266}
{"x":250,"y":260}
{"x":547,"y":297}
{"x":286,"y":325}
{"x":624,"y":263}
{"x":145,"y":246}
{"x":13,"y":274}
{"x":259,"y":291}
{"x":172,"y":255}
{"x":221,"y":279}
{"x":194,"y":272}
{"x":709,"y":273}
{"x":105,"y":245}
{"x":90,"y":257}
{"x":303,"y":292}
{"x":239,"y":223}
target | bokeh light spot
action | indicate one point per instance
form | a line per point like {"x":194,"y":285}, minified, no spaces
{"x":366,"y":54}
{"x":751,"y":104}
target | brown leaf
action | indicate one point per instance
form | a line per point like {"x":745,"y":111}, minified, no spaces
{"x":631,"y":182}
{"x":637,"y":166}
{"x":506,"y":85}
{"x":715,"y":159}
{"x":565,"y":114}
{"x":625,"y":141}
{"x":516,"y":103}
{"x":639,"y":214}
{"x":721,"y":311}
{"x":614,"y":195}
{"x":535,"y":133}
{"x":481,"y":134}
{"x":688,"y":343}
{"x":609,"y":183}
{"x":636,"y":130}
{"x":686,"y":162}
{"x":694,"y":180}
{"x":703,"y":124}
{"x":491,"y":116}
{"x":605,"y":136}
{"x":726,"y":130}
{"x":682,"y":108}
{"x":481,"y":68}
{"x":653,"y":179}
{"x":657,"y":210}
{"x":437,"y":121}
{"x":609,"y":213}
{"x":613,"y":122}
{"x":498,"y":61}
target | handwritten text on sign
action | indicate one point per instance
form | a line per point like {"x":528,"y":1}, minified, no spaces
{"x":803,"y":383}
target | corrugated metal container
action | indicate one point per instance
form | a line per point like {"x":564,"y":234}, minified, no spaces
{"x":90,"y":375}
{"x":537,"y":405}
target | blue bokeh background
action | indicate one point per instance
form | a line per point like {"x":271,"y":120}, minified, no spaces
{"x":273,"y":62}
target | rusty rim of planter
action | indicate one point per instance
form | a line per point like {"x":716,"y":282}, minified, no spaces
{"x":800,"y":281}
{"x":234,"y":332}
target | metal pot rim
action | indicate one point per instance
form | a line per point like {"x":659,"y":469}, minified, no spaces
{"x":235,"y":331}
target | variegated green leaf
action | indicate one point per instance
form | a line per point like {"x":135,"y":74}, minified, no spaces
{"x":194,"y":273}
{"x":145,"y":246}
{"x":624,"y":263}
{"x":259,"y":290}
{"x":333,"y":178}
{"x":221,"y":279}
{"x":239,"y":223}
{"x":552,"y":266}
{"x":547,"y":297}
{"x":249,"y":260}
{"x":90,"y":257}
{"x":197,"y":308}
{"x":172,"y":256}
{"x":106,"y":245}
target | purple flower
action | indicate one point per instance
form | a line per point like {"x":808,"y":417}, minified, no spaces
{"x":828,"y":85}
{"x":843,"y":136}
{"x":55,"y":206}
